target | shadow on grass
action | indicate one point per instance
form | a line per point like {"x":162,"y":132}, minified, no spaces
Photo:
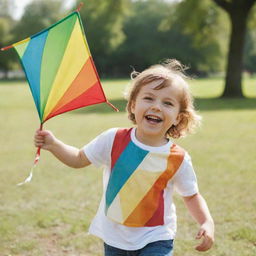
{"x":209,"y":104}
{"x":3,"y":81}
{"x":203,"y":104}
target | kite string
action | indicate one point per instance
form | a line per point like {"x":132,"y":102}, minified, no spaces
{"x":37,"y":157}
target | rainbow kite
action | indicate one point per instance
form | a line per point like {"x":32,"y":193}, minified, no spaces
{"x":60,"y":69}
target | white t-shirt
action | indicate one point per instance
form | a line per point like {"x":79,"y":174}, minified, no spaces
{"x":98,"y":151}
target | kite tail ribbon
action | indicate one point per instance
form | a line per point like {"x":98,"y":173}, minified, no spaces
{"x":37,"y":157}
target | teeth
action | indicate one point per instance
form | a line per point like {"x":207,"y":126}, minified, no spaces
{"x":153,"y":118}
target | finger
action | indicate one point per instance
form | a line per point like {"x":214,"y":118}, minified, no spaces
{"x":205,"y":245}
{"x":200,"y":233}
{"x":38,"y":131}
{"x":39,"y":145}
{"x":39,"y":138}
{"x":43,"y":132}
{"x":39,"y":141}
{"x":201,"y":247}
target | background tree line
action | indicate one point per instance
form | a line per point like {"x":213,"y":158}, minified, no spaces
{"x":126,"y":34}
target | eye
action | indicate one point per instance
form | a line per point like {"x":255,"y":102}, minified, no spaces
{"x":148,"y":98}
{"x":168,"y":103}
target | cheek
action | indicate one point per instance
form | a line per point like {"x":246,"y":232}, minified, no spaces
{"x":173,"y":116}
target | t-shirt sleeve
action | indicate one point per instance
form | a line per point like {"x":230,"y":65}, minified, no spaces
{"x":98,"y":151}
{"x":185,"y":182}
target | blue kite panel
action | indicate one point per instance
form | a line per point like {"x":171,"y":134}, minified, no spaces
{"x":31,"y":61}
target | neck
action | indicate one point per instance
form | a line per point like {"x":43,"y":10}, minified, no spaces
{"x":153,"y":141}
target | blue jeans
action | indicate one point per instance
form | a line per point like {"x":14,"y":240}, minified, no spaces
{"x":158,"y":248}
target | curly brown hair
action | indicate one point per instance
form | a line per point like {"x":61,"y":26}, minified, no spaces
{"x":167,"y":73}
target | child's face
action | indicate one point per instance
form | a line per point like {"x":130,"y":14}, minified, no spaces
{"x":155,"y":112}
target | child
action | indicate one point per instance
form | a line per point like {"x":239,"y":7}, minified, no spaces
{"x":143,"y":167}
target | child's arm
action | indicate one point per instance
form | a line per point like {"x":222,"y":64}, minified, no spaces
{"x":198,"y":208}
{"x":69,"y":155}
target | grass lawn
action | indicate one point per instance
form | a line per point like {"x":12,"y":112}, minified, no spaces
{"x":51,"y":215}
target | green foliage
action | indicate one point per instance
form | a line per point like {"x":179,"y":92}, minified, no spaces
{"x":250,"y":52}
{"x":201,"y":22}
{"x":252,"y":18}
{"x":250,"y":44}
{"x":5,"y":38}
{"x":156,"y":30}
{"x":6,"y":23}
{"x":103,"y":21}
{"x":144,"y":40}
{"x":38,"y":15}
{"x":124,"y":33}
{"x":6,"y":7}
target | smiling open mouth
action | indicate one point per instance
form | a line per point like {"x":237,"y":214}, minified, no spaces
{"x":154,"y":119}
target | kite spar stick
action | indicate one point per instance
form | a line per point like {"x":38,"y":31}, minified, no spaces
{"x":37,"y":157}
{"x":13,"y":45}
{"x":6,"y":48}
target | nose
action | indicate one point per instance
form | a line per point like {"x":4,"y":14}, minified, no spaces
{"x":156,"y":106}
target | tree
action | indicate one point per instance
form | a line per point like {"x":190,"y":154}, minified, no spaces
{"x":250,"y":44}
{"x":201,"y":29}
{"x":37,"y":16}
{"x":238,"y":11}
{"x":103,"y":22}
{"x":250,"y":52}
{"x":5,"y":8}
{"x":6,"y":23}
{"x":151,"y":36}
{"x":143,"y":44}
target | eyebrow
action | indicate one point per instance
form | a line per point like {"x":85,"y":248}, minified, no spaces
{"x":167,"y":98}
{"x":170,"y":99}
{"x":149,"y":93}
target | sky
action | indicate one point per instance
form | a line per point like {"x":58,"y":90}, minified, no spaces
{"x":19,"y":6}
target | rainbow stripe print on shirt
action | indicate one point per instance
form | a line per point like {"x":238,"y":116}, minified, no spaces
{"x":135,"y":191}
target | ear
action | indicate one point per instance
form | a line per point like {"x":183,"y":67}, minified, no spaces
{"x":178,"y":119}
{"x":133,"y":106}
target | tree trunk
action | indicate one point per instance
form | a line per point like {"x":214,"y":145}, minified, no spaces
{"x":233,"y":83}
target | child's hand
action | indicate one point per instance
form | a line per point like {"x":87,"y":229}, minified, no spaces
{"x":44,"y":139}
{"x":207,"y":232}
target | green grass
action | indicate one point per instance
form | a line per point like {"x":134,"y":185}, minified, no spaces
{"x":51,"y":215}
